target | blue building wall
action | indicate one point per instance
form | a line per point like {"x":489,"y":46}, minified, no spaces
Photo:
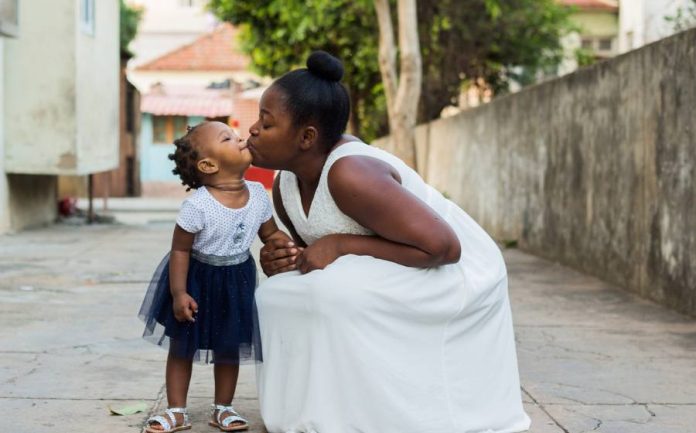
{"x":155,"y":164}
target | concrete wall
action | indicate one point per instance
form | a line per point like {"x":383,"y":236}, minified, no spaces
{"x":595,"y":169}
{"x":40,"y":127}
{"x":4,"y":189}
{"x":64,"y":90}
{"x":25,"y":201}
{"x":97,"y":91}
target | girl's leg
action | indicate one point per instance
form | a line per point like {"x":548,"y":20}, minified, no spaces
{"x":225,"y":383}
{"x":178,"y":378}
{"x":226,"y":376}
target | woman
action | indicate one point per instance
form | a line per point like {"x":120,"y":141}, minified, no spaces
{"x":396,"y":318}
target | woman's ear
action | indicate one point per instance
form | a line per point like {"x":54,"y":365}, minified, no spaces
{"x":207,"y":166}
{"x":309,"y":138}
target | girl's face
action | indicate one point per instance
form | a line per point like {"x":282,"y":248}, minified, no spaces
{"x":221,"y":147}
{"x":274,"y":140}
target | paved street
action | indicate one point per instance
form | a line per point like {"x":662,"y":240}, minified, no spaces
{"x":592,"y":357}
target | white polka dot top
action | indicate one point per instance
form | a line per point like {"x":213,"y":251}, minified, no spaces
{"x":220,"y":230}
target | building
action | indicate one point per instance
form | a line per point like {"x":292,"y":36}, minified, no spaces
{"x":645,"y":21}
{"x":212,"y":57}
{"x":59,"y":101}
{"x":124,"y":181}
{"x":167,"y":25}
{"x":597,"y":22}
{"x":206,"y":79}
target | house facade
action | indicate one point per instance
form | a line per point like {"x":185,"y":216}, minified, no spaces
{"x":206,"y":79}
{"x":645,"y":21}
{"x":59,"y":103}
{"x":167,"y":25}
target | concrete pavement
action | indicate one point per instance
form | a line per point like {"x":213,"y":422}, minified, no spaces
{"x":592,"y":357}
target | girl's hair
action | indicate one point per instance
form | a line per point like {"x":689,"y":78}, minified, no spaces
{"x":185,"y":158}
{"x":316,"y":94}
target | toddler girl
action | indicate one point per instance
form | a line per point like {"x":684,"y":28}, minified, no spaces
{"x":200,"y":303}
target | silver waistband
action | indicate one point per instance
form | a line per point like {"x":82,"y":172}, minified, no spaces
{"x":220,"y":260}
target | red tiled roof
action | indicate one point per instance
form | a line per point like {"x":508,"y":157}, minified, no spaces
{"x":191,"y":101}
{"x":214,"y":51}
{"x":187,"y":101}
{"x":605,"y":5}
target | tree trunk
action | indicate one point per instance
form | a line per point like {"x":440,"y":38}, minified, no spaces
{"x":402,"y":90}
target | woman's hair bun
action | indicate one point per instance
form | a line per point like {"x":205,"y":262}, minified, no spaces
{"x":324,"y":65}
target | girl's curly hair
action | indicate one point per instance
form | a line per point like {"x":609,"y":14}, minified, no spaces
{"x":185,"y":157}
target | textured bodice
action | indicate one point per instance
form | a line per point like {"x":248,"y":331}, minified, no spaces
{"x":324,"y":216}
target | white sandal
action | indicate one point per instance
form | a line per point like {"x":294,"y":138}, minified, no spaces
{"x":232,"y":417}
{"x":168,"y":426}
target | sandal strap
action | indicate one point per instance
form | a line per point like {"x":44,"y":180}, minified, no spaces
{"x":178,"y":410}
{"x":229,"y":419}
{"x":161,"y":421}
{"x":171,"y":423}
{"x":172,"y":410}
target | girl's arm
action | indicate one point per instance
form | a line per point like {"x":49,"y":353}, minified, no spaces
{"x":185,"y":307}
{"x":408,"y":231}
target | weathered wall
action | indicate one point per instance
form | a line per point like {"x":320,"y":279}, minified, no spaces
{"x":595,"y":169}
{"x":40,"y":128}
{"x":97,"y":91}
{"x":4,"y":189}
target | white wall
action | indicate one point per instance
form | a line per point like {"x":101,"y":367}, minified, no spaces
{"x":40,"y":125}
{"x":643,"y":21}
{"x":167,"y":25}
{"x":4,"y":192}
{"x":97,"y":91}
{"x":61,"y":100}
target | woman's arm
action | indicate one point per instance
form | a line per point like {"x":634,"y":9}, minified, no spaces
{"x":185,"y":307}
{"x":408,"y":231}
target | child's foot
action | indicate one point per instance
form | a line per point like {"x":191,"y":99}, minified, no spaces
{"x":171,"y":420}
{"x":227,"y":419}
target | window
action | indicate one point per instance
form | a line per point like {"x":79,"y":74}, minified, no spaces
{"x":587,"y":44}
{"x":605,"y":44}
{"x":187,"y":3}
{"x":9,"y":17}
{"x":87,"y":16}
{"x":165,"y":129}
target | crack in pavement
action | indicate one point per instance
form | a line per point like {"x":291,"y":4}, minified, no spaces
{"x":543,"y":409}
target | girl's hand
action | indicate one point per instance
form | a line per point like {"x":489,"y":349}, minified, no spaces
{"x":278,"y":255}
{"x":320,"y":254}
{"x":185,"y":308}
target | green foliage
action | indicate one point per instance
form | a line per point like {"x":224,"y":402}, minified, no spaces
{"x":685,"y":18}
{"x":462,"y":41}
{"x":130,"y":18}
{"x":584,"y":57}
{"x":279,"y":35}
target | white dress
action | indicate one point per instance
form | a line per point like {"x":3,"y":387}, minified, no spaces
{"x":371,"y":346}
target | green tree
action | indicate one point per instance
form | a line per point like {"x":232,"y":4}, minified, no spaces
{"x":130,"y":19}
{"x":494,"y":42}
{"x":280,"y":34}
{"x":684,"y":18}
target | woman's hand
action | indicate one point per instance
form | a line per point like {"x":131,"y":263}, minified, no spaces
{"x":320,"y":254}
{"x":279,"y":255}
{"x":185,"y":308}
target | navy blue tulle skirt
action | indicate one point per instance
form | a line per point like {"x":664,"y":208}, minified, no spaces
{"x":226,"y":326}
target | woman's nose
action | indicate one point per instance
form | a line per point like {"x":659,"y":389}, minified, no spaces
{"x":253,"y":130}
